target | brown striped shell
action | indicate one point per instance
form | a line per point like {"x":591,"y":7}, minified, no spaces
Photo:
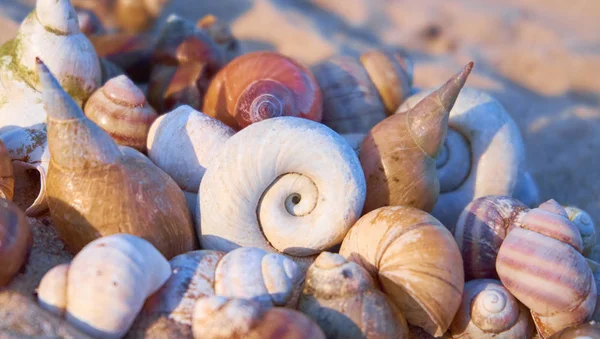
{"x":398,"y":155}
{"x":15,"y":240}
{"x":343,"y":299}
{"x":541,"y":264}
{"x":120,"y":108}
{"x":489,"y":311}
{"x":416,"y":261}
{"x":262,"y":85}
{"x":220,"y":317}
{"x":480,"y":230}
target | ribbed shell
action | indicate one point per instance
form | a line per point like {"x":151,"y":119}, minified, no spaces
{"x":261,"y":85}
{"x":416,"y":261}
{"x":480,"y":230}
{"x":16,"y":240}
{"x":541,"y":265}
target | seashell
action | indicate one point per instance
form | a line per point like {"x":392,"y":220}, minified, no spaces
{"x":584,"y":223}
{"x":287,"y":185}
{"x":480,"y":230}
{"x":358,"y":94}
{"x":105,"y":285}
{"x":183,"y":142}
{"x":120,"y":109}
{"x":94,"y":188}
{"x":398,"y":154}
{"x":537,"y":263}
{"x":89,"y":23}
{"x":7,"y":177}
{"x":342,"y":298}
{"x":50,"y":32}
{"x":262,"y":85}
{"x":483,"y":154}
{"x":416,"y":261}
{"x":15,"y":240}
{"x":131,"y":53}
{"x":133,"y":16}
{"x":220,"y":32}
{"x":220,"y":317}
{"x":185,"y":61}
{"x":28,"y":149}
{"x":488,"y":310}
{"x":589,"y":330}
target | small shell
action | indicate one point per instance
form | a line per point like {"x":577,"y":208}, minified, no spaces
{"x":536,"y":263}
{"x":15,"y":240}
{"x":480,"y":230}
{"x":89,"y":23}
{"x":488,"y":310}
{"x":342,"y":298}
{"x":120,"y":108}
{"x":183,"y":142}
{"x":137,"y":15}
{"x":586,"y":228}
{"x":106,"y":284}
{"x":219,"y":317}
{"x":53,"y":289}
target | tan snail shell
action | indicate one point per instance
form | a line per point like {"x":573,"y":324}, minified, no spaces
{"x":248,"y":273}
{"x":398,"y":154}
{"x":483,"y":154}
{"x":342,"y":298}
{"x":481,"y":229}
{"x":16,"y":240}
{"x":95,"y":188}
{"x":220,"y":32}
{"x":541,"y":264}
{"x":50,"y":32}
{"x":416,"y":261}
{"x":183,"y":142}
{"x":589,"y":330}
{"x":105,"y":286}
{"x":120,"y":108}
{"x":185,"y":60}
{"x":287,"y":185}
{"x":7,"y":178}
{"x":134,"y":16}
{"x":357,"y":94}
{"x":262,"y":85}
{"x":488,"y":310}
{"x":220,"y":317}
{"x":586,"y":228}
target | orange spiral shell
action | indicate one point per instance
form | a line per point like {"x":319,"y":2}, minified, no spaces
{"x":262,"y":85}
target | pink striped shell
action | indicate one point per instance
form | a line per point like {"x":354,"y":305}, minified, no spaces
{"x":542,"y":266}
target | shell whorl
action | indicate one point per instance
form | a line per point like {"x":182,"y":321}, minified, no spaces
{"x":278,"y":192}
{"x":586,"y":228}
{"x":537,"y":263}
{"x":425,"y":286}
{"x":120,"y":109}
{"x":480,"y":230}
{"x":264,"y":99}
{"x":483,"y":153}
{"x":489,"y":310}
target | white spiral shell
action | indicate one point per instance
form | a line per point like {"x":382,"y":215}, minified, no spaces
{"x":284,"y":184}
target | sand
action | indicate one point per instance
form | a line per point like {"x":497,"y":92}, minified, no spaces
{"x":540,"y":58}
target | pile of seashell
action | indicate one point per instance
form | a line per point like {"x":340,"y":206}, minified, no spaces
{"x":327,"y":201}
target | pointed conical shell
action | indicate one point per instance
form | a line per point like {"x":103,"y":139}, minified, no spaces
{"x":398,"y":154}
{"x":16,"y":240}
{"x":107,"y":284}
{"x":94,"y":188}
{"x":489,"y":311}
{"x":541,"y":264}
{"x":120,"y":108}
{"x":183,"y":142}
{"x":342,"y":298}
{"x":284,"y":184}
{"x":416,"y":261}
{"x":484,"y":154}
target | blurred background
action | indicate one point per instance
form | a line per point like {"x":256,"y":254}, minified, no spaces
{"x":540,"y":58}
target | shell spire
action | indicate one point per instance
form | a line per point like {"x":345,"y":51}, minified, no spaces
{"x":93,"y":145}
{"x":428,"y":120}
{"x":58,"y":16}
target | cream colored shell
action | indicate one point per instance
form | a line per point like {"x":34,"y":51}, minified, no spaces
{"x":483,"y":147}
{"x":284,"y":184}
{"x":106,"y":284}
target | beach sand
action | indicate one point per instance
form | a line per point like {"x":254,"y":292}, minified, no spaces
{"x":539,"y":58}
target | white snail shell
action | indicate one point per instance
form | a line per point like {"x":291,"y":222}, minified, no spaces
{"x":483,"y":154}
{"x":488,"y":310}
{"x":183,"y":142}
{"x":284,"y":184}
{"x":106,"y":284}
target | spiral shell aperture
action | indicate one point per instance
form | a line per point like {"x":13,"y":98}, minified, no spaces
{"x":284,"y":184}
